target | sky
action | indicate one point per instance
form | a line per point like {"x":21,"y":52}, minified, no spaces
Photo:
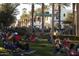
{"x":28,"y":7}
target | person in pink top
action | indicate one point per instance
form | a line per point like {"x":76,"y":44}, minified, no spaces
{"x":32,"y":38}
{"x":17,"y":37}
{"x":66,"y":43}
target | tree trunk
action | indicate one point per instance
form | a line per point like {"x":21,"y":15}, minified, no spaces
{"x":59,"y":8}
{"x":42,"y":17}
{"x":73,"y":21}
{"x":77,"y":19}
{"x":73,"y":12}
{"x":52,"y":29}
{"x":32,"y":19}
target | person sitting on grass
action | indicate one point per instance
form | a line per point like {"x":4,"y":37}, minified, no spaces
{"x":72,"y":51}
{"x":23,"y":45}
{"x":8,"y":44}
{"x":77,"y":49}
{"x":26,"y":46}
{"x":57,"y":45}
{"x":14,"y":40}
{"x":32,"y":38}
{"x":66,"y":43}
{"x":49,"y":38}
{"x":17,"y":37}
{"x":25,"y":36}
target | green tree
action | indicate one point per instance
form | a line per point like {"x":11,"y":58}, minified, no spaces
{"x":63,"y":5}
{"x":77,"y":21}
{"x":7,"y":13}
{"x":59,"y":8}
{"x":69,"y":18}
{"x":40,"y":12}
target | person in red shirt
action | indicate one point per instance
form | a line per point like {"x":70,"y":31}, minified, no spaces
{"x":32,"y":38}
{"x":17,"y":37}
{"x":66,"y":43}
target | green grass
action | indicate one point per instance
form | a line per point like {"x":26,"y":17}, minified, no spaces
{"x":42,"y":48}
{"x":39,"y":47}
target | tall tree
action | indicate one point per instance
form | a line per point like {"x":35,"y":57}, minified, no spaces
{"x":60,"y":5}
{"x":52,"y":29}
{"x":32,"y":20}
{"x":7,"y":13}
{"x":77,"y":32}
{"x":73,"y":12}
{"x":74,"y":32}
{"x":59,"y":8}
{"x":42,"y":17}
{"x":69,"y":20}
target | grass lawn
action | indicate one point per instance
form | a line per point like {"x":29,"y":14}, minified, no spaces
{"x":43,"y":48}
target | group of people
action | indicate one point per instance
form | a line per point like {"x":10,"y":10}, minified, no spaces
{"x":14,"y":40}
{"x":66,"y":46}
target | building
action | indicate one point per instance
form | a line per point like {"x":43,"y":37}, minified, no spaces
{"x":24,"y":19}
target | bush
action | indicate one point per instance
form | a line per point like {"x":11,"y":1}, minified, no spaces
{"x":69,"y":36}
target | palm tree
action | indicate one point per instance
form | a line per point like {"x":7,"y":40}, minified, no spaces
{"x":40,"y":12}
{"x":42,"y":17}
{"x":74,"y":32}
{"x":73,"y":11}
{"x":52,"y":18}
{"x":52,"y":29}
{"x":59,"y":8}
{"x":32,"y":19}
{"x":77,"y":19}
